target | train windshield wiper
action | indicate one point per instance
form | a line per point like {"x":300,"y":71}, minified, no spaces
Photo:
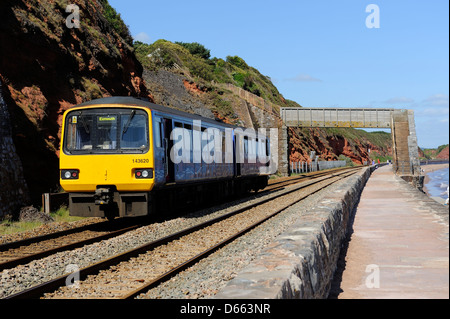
{"x":125,"y":128}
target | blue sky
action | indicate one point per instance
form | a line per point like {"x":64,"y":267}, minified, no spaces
{"x":321,"y":53}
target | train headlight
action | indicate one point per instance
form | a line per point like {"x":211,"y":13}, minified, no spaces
{"x":144,"y":173}
{"x":70,"y":174}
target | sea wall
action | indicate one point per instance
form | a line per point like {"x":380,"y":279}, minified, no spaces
{"x":301,"y":262}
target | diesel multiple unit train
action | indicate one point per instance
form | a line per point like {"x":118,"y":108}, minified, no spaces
{"x":123,"y":156}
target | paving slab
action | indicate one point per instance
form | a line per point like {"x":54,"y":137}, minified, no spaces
{"x":399,"y":247}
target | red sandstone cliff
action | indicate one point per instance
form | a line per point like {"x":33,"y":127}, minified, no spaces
{"x":47,"y":67}
{"x":332,"y":144}
{"x":443,"y":154}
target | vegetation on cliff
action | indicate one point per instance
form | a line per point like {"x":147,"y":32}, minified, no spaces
{"x":441,"y":152}
{"x":194,"y":60}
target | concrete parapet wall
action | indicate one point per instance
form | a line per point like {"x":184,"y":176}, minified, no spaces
{"x":301,"y":262}
{"x":330,"y":164}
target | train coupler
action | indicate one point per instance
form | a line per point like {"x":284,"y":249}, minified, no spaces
{"x":103,"y":196}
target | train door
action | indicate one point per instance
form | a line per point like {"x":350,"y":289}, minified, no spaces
{"x":169,"y":167}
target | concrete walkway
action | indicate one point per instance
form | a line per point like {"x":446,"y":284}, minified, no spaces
{"x":400,"y":245}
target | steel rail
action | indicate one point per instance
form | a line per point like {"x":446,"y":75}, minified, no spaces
{"x":28,"y":258}
{"x":304,"y":177}
{"x":38,"y":290}
{"x":175,"y":270}
{"x":37,"y":239}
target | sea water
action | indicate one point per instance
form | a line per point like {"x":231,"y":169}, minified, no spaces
{"x":437,"y":186}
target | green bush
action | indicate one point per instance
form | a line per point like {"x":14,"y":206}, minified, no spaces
{"x":200,"y":69}
{"x":197,"y":49}
{"x":116,"y":22}
{"x":347,"y":160}
{"x":239,"y":78}
{"x":237,"y":61}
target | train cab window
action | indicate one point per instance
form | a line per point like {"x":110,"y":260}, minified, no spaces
{"x":78,"y":132}
{"x":106,"y":131}
{"x":133,"y":131}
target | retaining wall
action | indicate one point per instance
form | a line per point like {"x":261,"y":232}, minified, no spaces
{"x":301,"y":262}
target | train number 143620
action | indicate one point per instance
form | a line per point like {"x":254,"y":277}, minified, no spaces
{"x":140,"y":160}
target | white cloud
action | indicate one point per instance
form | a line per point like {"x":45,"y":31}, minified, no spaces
{"x":399,"y":100}
{"x":436,"y":106}
{"x":143,"y":37}
{"x":433,"y":111}
{"x":304,"y":78}
{"x":437,"y":100}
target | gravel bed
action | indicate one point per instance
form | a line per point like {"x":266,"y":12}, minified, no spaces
{"x":129,"y":275}
{"x":207,"y":277}
{"x":36,"y":272}
{"x":202,"y":284}
{"x":48,"y":229}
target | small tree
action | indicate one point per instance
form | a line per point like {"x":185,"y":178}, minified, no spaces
{"x":196,"y":48}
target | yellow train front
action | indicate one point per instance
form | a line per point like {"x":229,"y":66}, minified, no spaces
{"x":122,"y":156}
{"x":106,"y":159}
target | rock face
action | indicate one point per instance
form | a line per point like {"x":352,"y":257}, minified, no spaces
{"x":330,"y":145}
{"x":443,"y":154}
{"x":13,"y":188}
{"x":47,"y":66}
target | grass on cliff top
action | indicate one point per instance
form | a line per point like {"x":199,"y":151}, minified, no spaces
{"x":378,"y":138}
{"x":9,"y":226}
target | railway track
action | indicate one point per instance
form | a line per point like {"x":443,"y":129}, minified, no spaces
{"x":21,"y":252}
{"x":131,"y":273}
{"x":287,"y":181}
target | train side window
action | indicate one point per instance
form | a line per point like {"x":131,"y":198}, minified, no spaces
{"x":262,"y":148}
{"x":252,"y":150}
{"x":204,"y":141}
{"x":246,"y":145}
{"x":158,"y":133}
{"x":222,"y":134}
{"x":188,"y":139}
